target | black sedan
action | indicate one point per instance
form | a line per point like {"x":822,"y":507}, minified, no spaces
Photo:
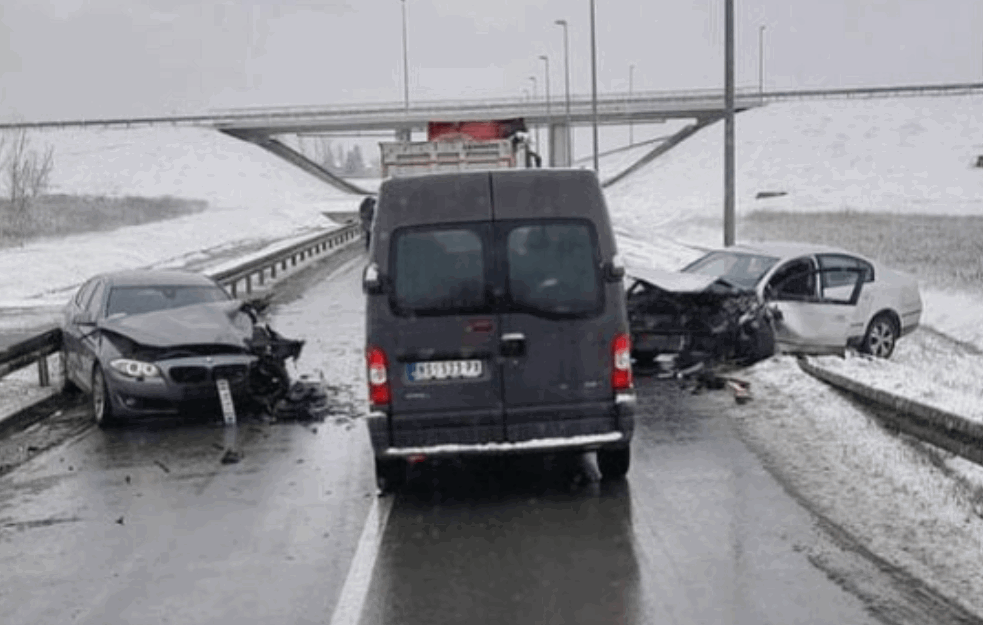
{"x":157,"y":342}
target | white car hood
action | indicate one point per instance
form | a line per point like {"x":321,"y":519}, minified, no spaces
{"x":672,"y":281}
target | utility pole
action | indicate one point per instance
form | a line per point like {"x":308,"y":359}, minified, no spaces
{"x":729,"y":125}
{"x":406,"y":65}
{"x":593,"y":87}
{"x":631,"y":124}
{"x":761,"y":62}
{"x":549,"y":115}
{"x":533,"y":79}
{"x":566,"y":68}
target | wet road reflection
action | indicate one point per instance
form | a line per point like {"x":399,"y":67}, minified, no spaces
{"x":699,"y":533}
{"x":533,"y":540}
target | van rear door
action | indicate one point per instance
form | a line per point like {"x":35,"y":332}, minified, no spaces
{"x":442,"y":328}
{"x":557,"y":324}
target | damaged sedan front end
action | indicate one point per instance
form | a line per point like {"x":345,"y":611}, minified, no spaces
{"x":147,"y":343}
{"x":686,"y":322}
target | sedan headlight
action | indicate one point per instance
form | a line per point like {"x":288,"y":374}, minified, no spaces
{"x":135,"y":368}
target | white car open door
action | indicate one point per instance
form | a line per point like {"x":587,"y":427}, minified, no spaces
{"x":816,"y":308}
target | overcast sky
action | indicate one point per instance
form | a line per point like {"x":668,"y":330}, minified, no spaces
{"x":73,"y":59}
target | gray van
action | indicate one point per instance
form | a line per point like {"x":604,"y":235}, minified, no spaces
{"x":496,"y":320}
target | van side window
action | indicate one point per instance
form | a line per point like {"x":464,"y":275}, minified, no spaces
{"x":552,"y":268}
{"x":439,"y":270}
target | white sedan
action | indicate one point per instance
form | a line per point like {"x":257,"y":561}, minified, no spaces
{"x":825,"y":298}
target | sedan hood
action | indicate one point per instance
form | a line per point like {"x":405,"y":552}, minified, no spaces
{"x":673,"y":281}
{"x":216,"y":323}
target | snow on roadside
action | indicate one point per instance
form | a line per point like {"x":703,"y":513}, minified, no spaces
{"x":253,"y":195}
{"x":887,"y":494}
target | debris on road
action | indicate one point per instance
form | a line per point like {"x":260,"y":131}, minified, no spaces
{"x":231,"y":456}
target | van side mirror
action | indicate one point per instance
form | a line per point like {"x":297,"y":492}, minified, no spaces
{"x":372,"y":280}
{"x":614,"y":270}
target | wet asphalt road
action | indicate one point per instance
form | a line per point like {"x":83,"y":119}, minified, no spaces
{"x":144,"y":524}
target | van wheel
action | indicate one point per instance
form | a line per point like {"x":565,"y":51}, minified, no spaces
{"x":613,"y":462}
{"x":390,"y":474}
{"x":102,"y":407}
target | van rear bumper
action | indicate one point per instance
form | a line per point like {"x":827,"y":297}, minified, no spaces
{"x":571,"y":434}
{"x":585,"y":442}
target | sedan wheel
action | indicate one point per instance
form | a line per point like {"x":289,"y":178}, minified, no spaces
{"x":881,"y":337}
{"x":102,"y":408}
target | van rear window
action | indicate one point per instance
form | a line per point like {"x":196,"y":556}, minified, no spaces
{"x":553,"y":268}
{"x":439,"y":271}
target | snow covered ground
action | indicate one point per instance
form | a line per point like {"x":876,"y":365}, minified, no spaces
{"x":255,"y":198}
{"x":911,"y":155}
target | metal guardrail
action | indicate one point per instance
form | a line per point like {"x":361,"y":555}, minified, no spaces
{"x":943,"y":429}
{"x":37,"y":348}
{"x":266,"y":265}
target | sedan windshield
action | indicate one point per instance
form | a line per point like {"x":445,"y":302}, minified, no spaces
{"x":133,"y":300}
{"x":741,"y":270}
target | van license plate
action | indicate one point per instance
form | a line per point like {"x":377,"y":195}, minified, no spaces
{"x":444,"y":370}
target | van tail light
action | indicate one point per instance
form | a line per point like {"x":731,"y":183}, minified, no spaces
{"x":621,"y":379}
{"x":379,"y":391}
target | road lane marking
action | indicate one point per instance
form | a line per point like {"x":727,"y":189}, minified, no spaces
{"x":348,"y":610}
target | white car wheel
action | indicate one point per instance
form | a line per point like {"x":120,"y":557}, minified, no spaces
{"x":882,"y":334}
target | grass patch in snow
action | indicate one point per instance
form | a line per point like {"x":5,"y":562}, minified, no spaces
{"x":61,"y":215}
{"x":946,"y":251}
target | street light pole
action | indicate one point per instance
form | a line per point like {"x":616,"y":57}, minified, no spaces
{"x":593,"y":87}
{"x":533,"y":79}
{"x":631,"y":125}
{"x":729,"y":124}
{"x":406,"y":65}
{"x":549,"y":116}
{"x":566,"y":69}
{"x":761,"y":61}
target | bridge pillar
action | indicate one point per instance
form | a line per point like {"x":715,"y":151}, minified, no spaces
{"x":560,"y":145}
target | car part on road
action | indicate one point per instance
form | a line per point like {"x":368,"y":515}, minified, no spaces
{"x":269,"y":381}
{"x":306,"y":400}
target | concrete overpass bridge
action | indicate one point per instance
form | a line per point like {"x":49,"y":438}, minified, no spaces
{"x":262,"y":125}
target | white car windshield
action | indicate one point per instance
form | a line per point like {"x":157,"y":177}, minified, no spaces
{"x":740,"y":269}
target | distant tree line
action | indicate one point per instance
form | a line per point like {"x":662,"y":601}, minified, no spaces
{"x":348,"y":162}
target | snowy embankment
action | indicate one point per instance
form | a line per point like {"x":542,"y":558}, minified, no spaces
{"x":918,"y":508}
{"x":255,"y":200}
